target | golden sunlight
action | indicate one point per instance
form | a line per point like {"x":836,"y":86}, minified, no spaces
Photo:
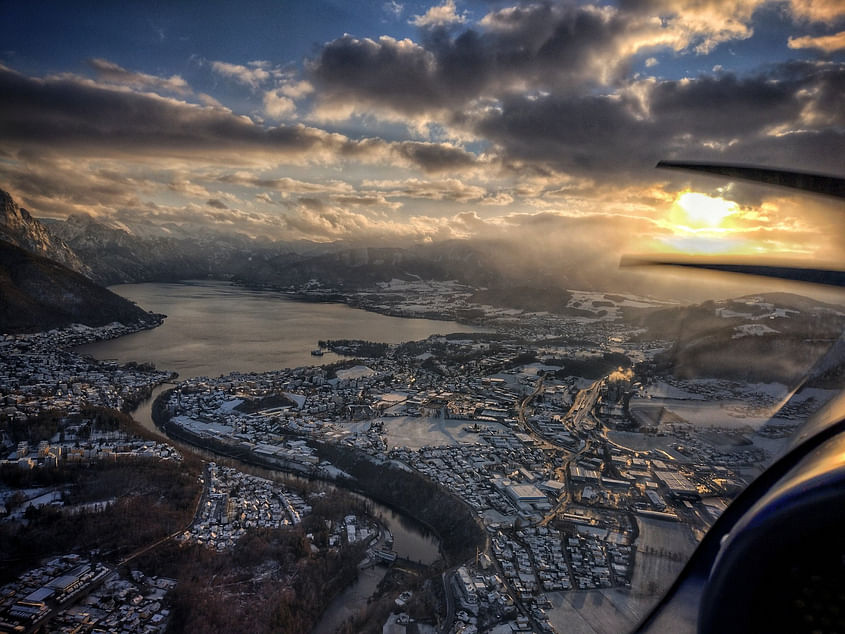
{"x":699,"y":224}
{"x":695,"y":211}
{"x":703,"y":224}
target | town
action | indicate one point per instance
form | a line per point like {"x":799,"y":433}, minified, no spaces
{"x":600,"y":480}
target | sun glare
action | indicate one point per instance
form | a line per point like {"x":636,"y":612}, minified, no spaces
{"x":703,"y":224}
{"x":695,"y":211}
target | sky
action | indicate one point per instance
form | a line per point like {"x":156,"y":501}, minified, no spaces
{"x":401,"y":123}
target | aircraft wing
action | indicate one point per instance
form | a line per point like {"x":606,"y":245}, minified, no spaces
{"x":774,"y":561}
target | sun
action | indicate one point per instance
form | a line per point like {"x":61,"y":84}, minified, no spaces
{"x":696,"y":211}
{"x":698,"y":223}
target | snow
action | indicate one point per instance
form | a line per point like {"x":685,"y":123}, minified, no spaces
{"x":532,"y":369}
{"x":42,"y":500}
{"x":818,"y":394}
{"x":394,"y":397}
{"x":663,"y":390}
{"x":361,"y":427}
{"x":781,"y":312}
{"x":753,"y":330}
{"x":728,"y":314}
{"x":198,"y":426}
{"x":420,"y":285}
{"x":231,"y":404}
{"x":356,"y":372}
{"x":775,"y":390}
{"x":335,"y":473}
{"x":299,"y":399}
{"x":416,"y":432}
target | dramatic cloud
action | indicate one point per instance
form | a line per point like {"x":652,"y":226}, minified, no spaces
{"x":556,"y":47}
{"x":277,"y":106}
{"x":828,"y":43}
{"x":287,"y":185}
{"x":92,"y":120}
{"x":532,"y":126}
{"x":449,"y":189}
{"x":687,"y":24}
{"x":316,"y":219}
{"x":775,"y":118}
{"x":216,"y":203}
{"x":817,"y":10}
{"x":77,"y":116}
{"x":252,"y":75}
{"x":111,"y":72}
{"x":295,"y":89}
{"x":439,"y":16}
{"x":436,"y":157}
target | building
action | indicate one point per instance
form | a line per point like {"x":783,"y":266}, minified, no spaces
{"x":679,"y":487}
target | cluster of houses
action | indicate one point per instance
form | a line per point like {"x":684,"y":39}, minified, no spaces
{"x":470,"y":471}
{"x":114,"y":446}
{"x":513,"y":476}
{"x":40,"y":372}
{"x":77,"y":594}
{"x":137,"y":604}
{"x":234,"y":502}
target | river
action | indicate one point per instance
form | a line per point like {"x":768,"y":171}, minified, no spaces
{"x":214,"y":328}
{"x":411,"y":540}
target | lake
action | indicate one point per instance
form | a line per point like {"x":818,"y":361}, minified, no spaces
{"x":214,"y":328}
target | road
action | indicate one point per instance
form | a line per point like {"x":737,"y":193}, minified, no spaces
{"x":581,"y":411}
{"x":201,"y":498}
{"x":584,"y":425}
{"x":521,"y":411}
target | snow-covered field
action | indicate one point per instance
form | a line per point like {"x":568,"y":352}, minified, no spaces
{"x":199,"y":426}
{"x":416,"y":432}
{"x":356,"y":372}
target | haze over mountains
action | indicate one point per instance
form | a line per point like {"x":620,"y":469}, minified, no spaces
{"x":145,"y":253}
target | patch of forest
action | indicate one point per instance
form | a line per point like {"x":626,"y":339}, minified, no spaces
{"x":593,"y":367}
{"x":48,"y":423}
{"x":272,"y":581}
{"x":356,"y":347}
{"x":413,"y":495}
{"x":251,"y":405}
{"x":149,"y":499}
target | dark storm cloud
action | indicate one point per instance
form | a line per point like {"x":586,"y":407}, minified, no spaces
{"x":542,"y":45}
{"x":71,"y":113}
{"x":434,"y":157}
{"x":79,"y":116}
{"x":782,"y":117}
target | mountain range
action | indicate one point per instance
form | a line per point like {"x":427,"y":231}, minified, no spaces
{"x":114,"y":254}
{"x":18,"y":227}
{"x":38,"y":294}
{"x":500,"y":271}
{"x":100,"y":253}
